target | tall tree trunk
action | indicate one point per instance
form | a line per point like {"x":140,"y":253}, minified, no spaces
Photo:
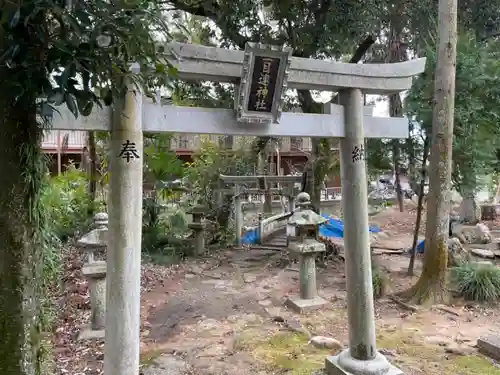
{"x":226,"y":202}
{"x":318,"y":174}
{"x":262,"y":164}
{"x":397,"y":53}
{"x":421,"y":194}
{"x":396,"y":148}
{"x":20,"y":263}
{"x":312,"y":168}
{"x":92,"y":168}
{"x":412,"y":168}
{"x":431,"y":286}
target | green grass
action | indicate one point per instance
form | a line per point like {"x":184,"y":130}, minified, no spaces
{"x":414,"y":353}
{"x":290,"y":351}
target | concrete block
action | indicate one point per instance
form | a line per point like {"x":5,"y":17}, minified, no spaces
{"x":301,"y":306}
{"x":87,"y":333}
{"x":344,"y":364}
{"x":490,"y":346}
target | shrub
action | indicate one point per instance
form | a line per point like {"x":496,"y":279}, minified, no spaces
{"x":477,"y":282}
{"x":379,"y":281}
{"x":67,"y":202}
{"x":202,"y":176}
{"x":164,"y":231}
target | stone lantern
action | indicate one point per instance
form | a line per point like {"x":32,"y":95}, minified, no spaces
{"x":304,"y":242}
{"x":197,"y":226}
{"x":95,"y":272}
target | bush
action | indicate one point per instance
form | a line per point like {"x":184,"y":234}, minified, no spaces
{"x":477,"y":282}
{"x":164,"y":231}
{"x":66,"y":211}
{"x":379,"y":281}
{"x":67,"y":201}
{"x":202,"y":176}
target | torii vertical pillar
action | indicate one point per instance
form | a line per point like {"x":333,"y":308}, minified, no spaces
{"x":121,"y":350}
{"x":361,"y":358}
{"x":238,"y":214}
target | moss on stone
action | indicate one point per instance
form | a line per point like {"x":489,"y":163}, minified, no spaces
{"x":414,"y":353}
{"x":290,"y":351}
{"x":148,"y":357}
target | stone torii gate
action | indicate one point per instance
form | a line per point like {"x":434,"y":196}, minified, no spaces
{"x":287,"y":189}
{"x":134,"y":115}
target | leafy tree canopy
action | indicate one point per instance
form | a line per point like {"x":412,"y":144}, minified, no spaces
{"x":476,"y":107}
{"x":60,"y":53}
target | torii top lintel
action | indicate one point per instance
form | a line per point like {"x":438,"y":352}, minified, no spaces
{"x":196,"y":62}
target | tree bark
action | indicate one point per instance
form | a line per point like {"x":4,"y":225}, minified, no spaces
{"x":20,"y":264}
{"x":431,"y":286}
{"x":396,"y":148}
{"x":421,"y":194}
{"x":397,"y":53}
{"x":92,"y":168}
{"x":268,"y":199}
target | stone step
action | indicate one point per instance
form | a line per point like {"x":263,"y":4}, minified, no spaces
{"x":490,"y":346}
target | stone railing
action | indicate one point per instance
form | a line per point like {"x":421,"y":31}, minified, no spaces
{"x":269,"y":226}
{"x":328,"y":194}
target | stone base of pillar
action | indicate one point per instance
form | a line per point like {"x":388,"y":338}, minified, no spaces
{"x":344,"y":364}
{"x":301,"y":306}
{"x":87,"y":333}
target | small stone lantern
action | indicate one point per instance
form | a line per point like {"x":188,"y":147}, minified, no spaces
{"x":198,"y":226}
{"x":304,"y":242}
{"x":95,"y":272}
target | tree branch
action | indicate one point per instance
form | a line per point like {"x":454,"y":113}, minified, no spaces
{"x":363,"y":47}
{"x":212,"y":11}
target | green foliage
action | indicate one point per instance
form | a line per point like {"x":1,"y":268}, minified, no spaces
{"x":377,"y":158}
{"x":160,"y":162}
{"x":210,"y":161}
{"x":477,"y":282}
{"x":66,"y":199}
{"x":61,"y":54}
{"x":380,"y":282}
{"x":164,"y":231}
{"x":202,"y":177}
{"x":164,"y":221}
{"x":476,"y":108}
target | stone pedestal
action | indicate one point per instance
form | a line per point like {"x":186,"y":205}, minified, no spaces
{"x":345,"y":364}
{"x":308,"y":299}
{"x":302,"y":231}
{"x":198,"y":227}
{"x":96,"y":275}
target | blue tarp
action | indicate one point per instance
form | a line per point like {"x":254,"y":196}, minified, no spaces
{"x":332,"y":228}
{"x":335,"y":228}
{"x":420,"y":247}
{"x":251,"y":237}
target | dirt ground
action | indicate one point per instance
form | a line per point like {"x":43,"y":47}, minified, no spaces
{"x":224,"y":315}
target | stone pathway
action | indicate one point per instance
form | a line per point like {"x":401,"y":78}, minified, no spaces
{"x":211,"y":314}
{"x":225,"y":316}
